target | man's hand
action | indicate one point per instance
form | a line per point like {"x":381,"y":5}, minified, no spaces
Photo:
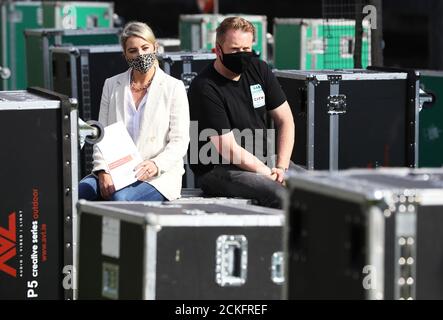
{"x":265,"y":171}
{"x":146,"y":170}
{"x":106,"y":185}
{"x":280,"y":175}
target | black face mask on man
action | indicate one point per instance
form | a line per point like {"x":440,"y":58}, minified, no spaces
{"x":237,"y":62}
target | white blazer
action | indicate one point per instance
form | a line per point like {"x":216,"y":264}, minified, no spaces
{"x":164,"y":128}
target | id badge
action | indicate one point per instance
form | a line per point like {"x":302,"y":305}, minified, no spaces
{"x":258,"y":96}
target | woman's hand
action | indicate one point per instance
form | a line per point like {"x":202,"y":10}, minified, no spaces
{"x":106,"y":184}
{"x":146,"y":170}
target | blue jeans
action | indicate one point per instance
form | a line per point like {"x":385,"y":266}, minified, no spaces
{"x":89,"y":189}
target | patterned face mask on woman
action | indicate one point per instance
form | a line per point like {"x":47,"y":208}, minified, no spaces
{"x":142,"y":63}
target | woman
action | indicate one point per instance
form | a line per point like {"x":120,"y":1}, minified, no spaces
{"x":154,"y":108}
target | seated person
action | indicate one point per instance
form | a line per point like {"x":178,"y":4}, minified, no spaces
{"x":154,"y":108}
{"x":236,"y":94}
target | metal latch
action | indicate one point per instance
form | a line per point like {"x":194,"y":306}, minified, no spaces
{"x":316,"y":46}
{"x":187,"y":78}
{"x":426,"y":99}
{"x":92,"y":21}
{"x":277,"y":268}
{"x":231,"y":260}
{"x":90,"y":132}
{"x":347,"y":46}
{"x":337,"y":104}
{"x":16,"y":17}
{"x":110,"y":279}
{"x":5,"y":73}
{"x":194,"y":212}
{"x":187,"y":58}
{"x":334,"y":79}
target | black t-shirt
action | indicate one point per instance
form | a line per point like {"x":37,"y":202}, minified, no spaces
{"x":225,"y":105}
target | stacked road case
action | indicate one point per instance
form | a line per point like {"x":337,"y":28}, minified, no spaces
{"x":365,"y":234}
{"x":187,"y":251}
{"x":37,"y":210}
{"x":77,"y":14}
{"x":316,"y":44}
{"x":80,"y":72}
{"x":39,"y":41}
{"x":185,"y":65}
{"x":16,"y":16}
{"x":168,"y":45}
{"x":353,"y":118}
{"x":431,"y":121}
{"x":197,"y":32}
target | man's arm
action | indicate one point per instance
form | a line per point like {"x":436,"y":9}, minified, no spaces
{"x":284,"y":123}
{"x":229,"y":149}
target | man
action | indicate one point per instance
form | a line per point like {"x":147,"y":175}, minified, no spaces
{"x":234,"y":95}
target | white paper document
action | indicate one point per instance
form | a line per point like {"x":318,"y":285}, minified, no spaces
{"x":120,"y":154}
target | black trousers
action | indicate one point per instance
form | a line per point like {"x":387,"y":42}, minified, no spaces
{"x":231,"y":181}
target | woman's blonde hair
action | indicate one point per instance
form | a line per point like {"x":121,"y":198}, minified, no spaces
{"x":137,"y":29}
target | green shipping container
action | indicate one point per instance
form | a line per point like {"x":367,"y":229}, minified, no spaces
{"x":431,"y":122}
{"x":15,"y":18}
{"x":314,"y":44}
{"x":74,"y":15}
{"x":38,"y":42}
{"x":197,"y":32}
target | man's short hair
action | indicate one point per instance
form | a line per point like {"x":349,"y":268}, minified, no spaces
{"x":233,"y":23}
